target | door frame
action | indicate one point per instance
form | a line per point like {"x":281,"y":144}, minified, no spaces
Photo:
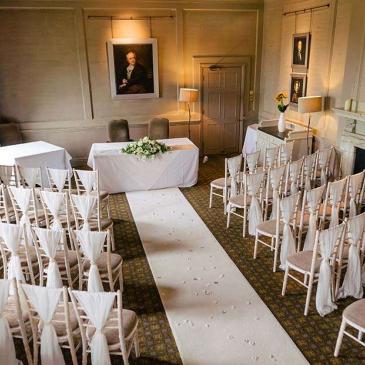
{"x":200,"y":62}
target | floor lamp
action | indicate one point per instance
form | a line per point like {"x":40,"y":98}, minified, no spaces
{"x":188,"y":96}
{"x":309,"y":104}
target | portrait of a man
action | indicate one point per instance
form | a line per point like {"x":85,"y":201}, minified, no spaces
{"x":300,"y":54}
{"x":297,"y":88}
{"x":133,"y":68}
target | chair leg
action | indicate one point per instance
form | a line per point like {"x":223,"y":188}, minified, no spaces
{"x":276,"y":253}
{"x":125,"y":358}
{"x":285,"y":281}
{"x":308,"y":298}
{"x":225,"y":201}
{"x":136,"y":345}
{"x":228,"y":216}
{"x":211,"y":197}
{"x":340,"y":337}
{"x":255,"y":248}
{"x":112,"y":238}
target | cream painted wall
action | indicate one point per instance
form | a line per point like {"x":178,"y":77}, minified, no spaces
{"x":54,"y":72}
{"x":336,"y":66}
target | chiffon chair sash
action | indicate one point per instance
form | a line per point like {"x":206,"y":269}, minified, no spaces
{"x":313,"y":199}
{"x":12,"y":235}
{"x":253,"y":183}
{"x":59,"y":177}
{"x":276,"y":175}
{"x":92,"y":246}
{"x":234,"y":165}
{"x":54,"y":202}
{"x":32,"y":176}
{"x":252,"y":161}
{"x":7,"y":349}
{"x":352,"y":284}
{"x":355,"y":183}
{"x":45,"y":301}
{"x":336,"y":190}
{"x":86,"y":205}
{"x":97,"y":307}
{"x":5,"y":174}
{"x":49,"y":240}
{"x":308,"y":167}
{"x":327,"y":241}
{"x":294,"y":172}
{"x":286,"y":151}
{"x":23,"y":198}
{"x":88,"y":180}
{"x":323,"y":158}
{"x":287,"y":206}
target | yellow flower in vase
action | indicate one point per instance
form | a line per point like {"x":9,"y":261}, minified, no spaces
{"x":280,"y":97}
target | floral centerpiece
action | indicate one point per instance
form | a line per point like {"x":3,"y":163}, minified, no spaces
{"x":282,"y":108}
{"x":145,"y":148}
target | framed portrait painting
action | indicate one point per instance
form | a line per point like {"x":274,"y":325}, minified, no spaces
{"x":300,"y":51}
{"x":297,"y":88}
{"x":133,"y":68}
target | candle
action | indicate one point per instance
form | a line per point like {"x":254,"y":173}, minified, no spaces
{"x":354,"y":106}
{"x":348,"y":104}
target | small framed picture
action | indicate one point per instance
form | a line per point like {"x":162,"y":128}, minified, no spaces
{"x":300,"y":51}
{"x":133,"y":68}
{"x":298,"y":84}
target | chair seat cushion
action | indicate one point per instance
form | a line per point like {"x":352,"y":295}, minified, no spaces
{"x":101,"y":262}
{"x":11,"y":315}
{"x":59,"y":319}
{"x":102,"y":194}
{"x":238,"y":200}
{"x":130,"y":322}
{"x":104,"y":224}
{"x":219,"y":183}
{"x":269,"y":227}
{"x":60,"y":258}
{"x":303,"y":260}
{"x":355,"y":312}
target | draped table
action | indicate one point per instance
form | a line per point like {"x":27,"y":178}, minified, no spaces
{"x":36,"y":154}
{"x":120,"y":172}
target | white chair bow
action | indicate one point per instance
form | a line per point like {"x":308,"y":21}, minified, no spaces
{"x":85,"y":204}
{"x":45,"y":301}
{"x":54,"y":202}
{"x":7,"y":349}
{"x":97,"y":307}
{"x":254,"y":183}
{"x":49,"y":240}
{"x":92,"y":245}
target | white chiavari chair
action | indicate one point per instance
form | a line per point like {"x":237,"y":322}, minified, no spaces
{"x":279,"y":230}
{"x":271,"y":157}
{"x":293,"y":177}
{"x":98,"y":264}
{"x":353,"y":194}
{"x":54,"y":323}
{"x":308,"y":171}
{"x":251,"y":162}
{"x":106,"y":328}
{"x":285,"y":153}
{"x":322,"y":165}
{"x":59,"y":180}
{"x":318,"y":266}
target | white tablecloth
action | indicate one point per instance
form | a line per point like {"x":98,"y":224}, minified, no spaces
{"x":36,"y":154}
{"x":249,"y":146}
{"x":119,"y":172}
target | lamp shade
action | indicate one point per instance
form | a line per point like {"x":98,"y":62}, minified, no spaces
{"x":188,"y":95}
{"x":310,"y":104}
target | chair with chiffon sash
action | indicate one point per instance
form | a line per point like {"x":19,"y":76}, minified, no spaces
{"x":285,"y":153}
{"x":352,"y":316}
{"x":279,"y":230}
{"x":87,"y":182}
{"x":271,"y":157}
{"x":308,"y":219}
{"x":251,"y":201}
{"x":353,"y":193}
{"x":19,"y":258}
{"x":86,"y":215}
{"x":6,"y":209}
{"x":275,"y":184}
{"x":221,"y":187}
{"x":57,"y":262}
{"x":13,"y":323}
{"x":322,"y":165}
{"x":334,"y":202}
{"x":106,"y":328}
{"x":30,"y":177}
{"x":251,"y":162}
{"x":293,"y":177}
{"x":354,"y":242}
{"x":8,"y":175}
{"x":54,"y":323}
{"x":59,"y":180}
{"x":309,"y":164}
{"x":98,"y":264}
{"x":318,"y":266}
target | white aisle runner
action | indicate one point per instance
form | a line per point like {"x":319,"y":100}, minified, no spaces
{"x":215,"y":315}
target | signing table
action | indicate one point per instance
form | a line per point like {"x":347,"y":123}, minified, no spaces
{"x":119,"y":172}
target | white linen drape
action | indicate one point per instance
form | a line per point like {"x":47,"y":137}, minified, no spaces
{"x":308,"y":168}
{"x":294,"y":174}
{"x":54,"y":202}
{"x":335,"y":197}
{"x":97,"y":307}
{"x":12,"y":236}
{"x":355,"y":184}
{"x":327,"y":242}
{"x":313,"y":199}
{"x":352,"y":284}
{"x":287,"y":207}
{"x":92,"y":245}
{"x":86,"y":205}
{"x":59,"y":178}
{"x":49,"y":240}
{"x":45,"y":301}
{"x":32,"y":176}
{"x":7,"y":349}
{"x":254,"y":183}
{"x":323,"y":157}
{"x":234,"y":166}
{"x":276,"y":175}
{"x":88,"y":179}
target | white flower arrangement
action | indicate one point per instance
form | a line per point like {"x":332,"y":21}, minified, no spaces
{"x":145,"y":148}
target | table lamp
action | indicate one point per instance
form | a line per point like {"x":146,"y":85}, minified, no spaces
{"x":188,"y":96}
{"x":309,"y":104}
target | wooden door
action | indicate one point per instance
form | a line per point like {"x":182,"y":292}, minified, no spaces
{"x":221,"y":98}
